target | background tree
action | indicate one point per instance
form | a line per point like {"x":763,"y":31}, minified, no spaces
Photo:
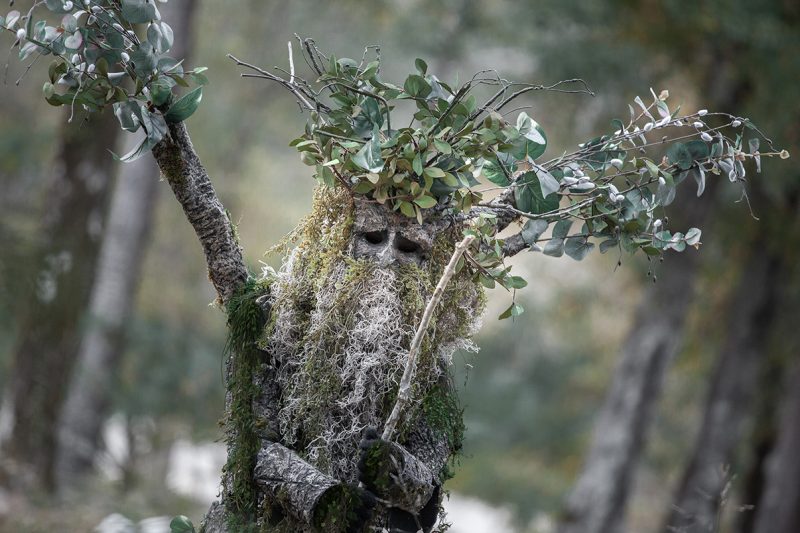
{"x":121,"y":257}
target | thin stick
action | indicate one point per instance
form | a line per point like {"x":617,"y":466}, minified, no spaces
{"x":291,"y":63}
{"x":404,"y":393}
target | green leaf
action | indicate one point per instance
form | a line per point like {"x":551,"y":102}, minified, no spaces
{"x":416,"y":86}
{"x":698,"y":149}
{"x":547,"y":182}
{"x":145,"y":146}
{"x":533,"y":229}
{"x":529,"y":198}
{"x":369,"y":156}
{"x":443,"y":146}
{"x":407,"y":209}
{"x":127,"y":114}
{"x":680,"y":155}
{"x":181,"y":524}
{"x":554,"y":248}
{"x":532,"y":142}
{"x":368,"y":119}
{"x":48,"y":89}
{"x":652,"y":168}
{"x":494,"y":172}
{"x":422,"y":66}
{"x":160,"y":35}
{"x":416,"y":165}
{"x":513,"y":311}
{"x":515,"y":282}
{"x":561,"y":229}
{"x":434,"y":172}
{"x":693,"y":236}
{"x":56,"y":6}
{"x":139,"y":11}
{"x":578,"y":247}
{"x":185,"y":106}
{"x":144,"y":59}
{"x":161,"y":90}
{"x":425,"y":202}
{"x":608,"y":244}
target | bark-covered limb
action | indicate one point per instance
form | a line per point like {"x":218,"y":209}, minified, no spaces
{"x":283,"y":474}
{"x":192,"y":187}
{"x":404,"y":393}
{"x":394,"y":474}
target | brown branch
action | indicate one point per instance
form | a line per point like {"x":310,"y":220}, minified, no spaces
{"x":192,"y":186}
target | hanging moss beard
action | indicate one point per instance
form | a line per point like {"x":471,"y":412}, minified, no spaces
{"x":339,"y":333}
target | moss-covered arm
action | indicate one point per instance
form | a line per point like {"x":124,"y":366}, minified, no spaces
{"x":394,"y":474}
{"x":192,"y":187}
{"x":318,"y":500}
{"x":291,"y":480}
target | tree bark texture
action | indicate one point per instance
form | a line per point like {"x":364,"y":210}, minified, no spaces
{"x":192,"y":187}
{"x":113,"y":294}
{"x":703,"y":490}
{"x":52,"y":316}
{"x":778,"y":511}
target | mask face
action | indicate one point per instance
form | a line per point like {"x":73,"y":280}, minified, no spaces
{"x":390,"y":238}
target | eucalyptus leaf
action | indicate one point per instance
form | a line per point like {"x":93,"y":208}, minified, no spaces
{"x":416,"y":86}
{"x":533,"y":229}
{"x":126,"y":113}
{"x":554,"y":248}
{"x":139,"y":11}
{"x":578,"y":247}
{"x":513,"y":311}
{"x":369,"y":156}
{"x":185,"y":106}
{"x":494,"y":172}
{"x":160,"y":35}
{"x":529,"y":198}
{"x":680,"y":155}
{"x":181,"y":524}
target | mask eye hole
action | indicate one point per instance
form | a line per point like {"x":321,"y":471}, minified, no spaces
{"x":374,"y":237}
{"x":406,"y":246}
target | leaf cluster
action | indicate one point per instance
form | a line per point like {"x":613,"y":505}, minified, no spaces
{"x":111,"y":53}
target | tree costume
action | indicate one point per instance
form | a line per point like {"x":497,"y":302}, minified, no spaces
{"x":334,"y":333}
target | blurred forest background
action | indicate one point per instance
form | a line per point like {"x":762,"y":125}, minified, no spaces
{"x":613,"y":402}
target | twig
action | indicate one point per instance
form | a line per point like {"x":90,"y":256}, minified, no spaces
{"x":291,"y":63}
{"x":290,"y":85}
{"x":404,"y":392}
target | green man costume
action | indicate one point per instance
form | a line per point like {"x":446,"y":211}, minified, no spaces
{"x":336,"y":326}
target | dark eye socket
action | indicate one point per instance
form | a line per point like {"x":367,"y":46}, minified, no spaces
{"x":406,"y":245}
{"x":374,"y":237}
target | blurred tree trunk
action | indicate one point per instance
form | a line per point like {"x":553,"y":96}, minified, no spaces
{"x":778,"y":511}
{"x":704,"y":488}
{"x":597,"y":501}
{"x":113,"y":295}
{"x":596,"y":504}
{"x":50,"y":318}
{"x":744,"y":356}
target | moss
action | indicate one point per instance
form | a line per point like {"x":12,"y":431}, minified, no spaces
{"x":337,"y":509}
{"x":444,"y":414}
{"x":245,"y":324}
